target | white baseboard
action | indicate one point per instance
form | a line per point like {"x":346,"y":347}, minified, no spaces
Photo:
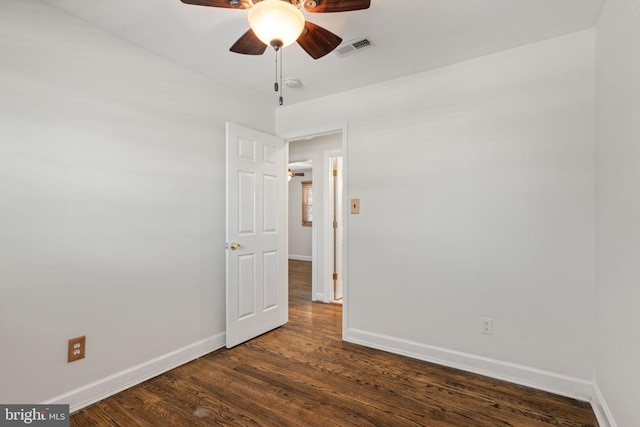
{"x":523,"y":375}
{"x":601,"y":409}
{"x":518,"y":374}
{"x":301,"y":257}
{"x":101,"y":389}
{"x":319,"y":298}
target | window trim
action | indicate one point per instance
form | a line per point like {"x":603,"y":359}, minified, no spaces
{"x":307,"y":185}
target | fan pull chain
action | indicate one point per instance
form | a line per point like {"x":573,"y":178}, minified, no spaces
{"x":281,"y":99}
{"x":275,"y":85}
{"x":278,"y":86}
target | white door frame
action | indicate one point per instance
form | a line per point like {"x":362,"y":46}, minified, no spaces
{"x":333,"y":205}
{"x":327,"y":234}
{"x":341,"y":128}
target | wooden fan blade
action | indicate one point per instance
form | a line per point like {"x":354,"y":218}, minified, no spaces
{"x":233,"y":4}
{"x":249,"y":44}
{"x":326,"y":6}
{"x":317,"y":41}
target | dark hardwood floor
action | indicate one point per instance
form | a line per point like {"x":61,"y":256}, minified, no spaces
{"x":303,"y":374}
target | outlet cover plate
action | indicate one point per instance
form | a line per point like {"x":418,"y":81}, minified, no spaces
{"x":76,"y":349}
{"x":486,"y":325}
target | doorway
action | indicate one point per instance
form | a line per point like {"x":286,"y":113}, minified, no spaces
{"x":321,"y":242}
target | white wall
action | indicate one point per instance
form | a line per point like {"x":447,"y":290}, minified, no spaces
{"x":618,"y":209}
{"x":111,"y":225}
{"x":476,"y":189}
{"x":111,"y":212}
{"x":300,"y":241}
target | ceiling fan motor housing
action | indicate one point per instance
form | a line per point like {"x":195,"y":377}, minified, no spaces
{"x":304,"y":3}
{"x":243,"y":4}
{"x":239,"y":4}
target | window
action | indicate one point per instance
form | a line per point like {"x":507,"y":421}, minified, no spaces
{"x":307,"y":204}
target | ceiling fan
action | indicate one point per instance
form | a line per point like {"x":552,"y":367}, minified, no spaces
{"x":291,"y":174}
{"x":314,"y":39}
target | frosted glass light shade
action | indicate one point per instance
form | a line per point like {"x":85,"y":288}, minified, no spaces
{"x":276,"y":20}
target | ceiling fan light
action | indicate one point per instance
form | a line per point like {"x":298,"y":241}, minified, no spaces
{"x":276,"y":20}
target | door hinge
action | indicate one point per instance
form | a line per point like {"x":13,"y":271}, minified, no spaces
{"x":336,"y":276}
{"x":335,"y":224}
{"x":335,"y":172}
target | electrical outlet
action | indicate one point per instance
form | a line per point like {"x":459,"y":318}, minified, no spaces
{"x":486,"y":325}
{"x":76,"y":349}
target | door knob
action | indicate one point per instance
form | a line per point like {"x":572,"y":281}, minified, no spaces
{"x":234,"y":246}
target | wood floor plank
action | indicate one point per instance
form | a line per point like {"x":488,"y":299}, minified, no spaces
{"x":303,"y":374}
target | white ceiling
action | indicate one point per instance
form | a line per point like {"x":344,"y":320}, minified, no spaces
{"x":410,"y":36}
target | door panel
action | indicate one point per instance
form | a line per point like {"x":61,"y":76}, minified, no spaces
{"x":246,"y":206}
{"x":246,"y":286}
{"x":270,"y":201}
{"x":257,"y":299}
{"x":271,"y":280}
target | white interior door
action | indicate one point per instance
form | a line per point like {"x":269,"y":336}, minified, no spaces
{"x":256,"y":262}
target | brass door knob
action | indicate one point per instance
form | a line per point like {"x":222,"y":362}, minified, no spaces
{"x":234,"y":246}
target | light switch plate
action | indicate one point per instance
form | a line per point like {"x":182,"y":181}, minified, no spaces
{"x":355,"y":206}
